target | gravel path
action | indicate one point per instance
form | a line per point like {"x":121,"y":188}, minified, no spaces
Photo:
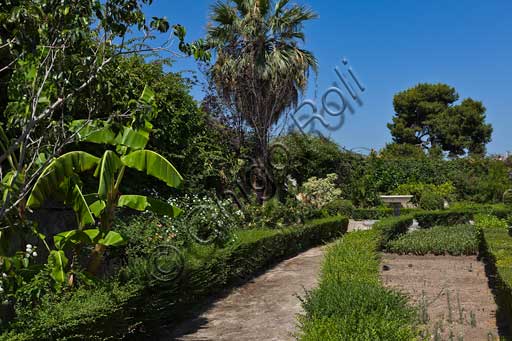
{"x":265,"y":308}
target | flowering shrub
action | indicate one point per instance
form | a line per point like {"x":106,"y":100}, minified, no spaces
{"x":206,"y":220}
{"x":12,"y":268}
{"x":319,"y":192}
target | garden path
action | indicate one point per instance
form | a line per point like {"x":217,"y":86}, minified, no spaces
{"x":265,"y":308}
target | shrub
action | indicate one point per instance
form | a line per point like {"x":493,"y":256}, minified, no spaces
{"x":497,"y":249}
{"x":340,"y":207}
{"x":321,"y":192}
{"x":350,"y":302}
{"x":439,"y":240}
{"x":378,"y":213}
{"x":488,"y":220}
{"x":445,"y":190}
{"x":431,"y":201}
{"x":443,"y":218}
{"x":391,"y":228}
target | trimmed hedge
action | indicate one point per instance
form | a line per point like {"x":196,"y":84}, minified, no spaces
{"x":392,"y":228}
{"x":459,"y":214}
{"x":496,"y":248}
{"x":131,"y":309}
{"x":378,"y":213}
{"x":350,"y":302}
{"x":428,"y":219}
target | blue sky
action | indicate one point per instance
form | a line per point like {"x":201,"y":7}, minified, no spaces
{"x":393,"y":45}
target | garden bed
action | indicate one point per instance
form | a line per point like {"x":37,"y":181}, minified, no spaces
{"x":454,"y":295}
{"x":451,"y":293}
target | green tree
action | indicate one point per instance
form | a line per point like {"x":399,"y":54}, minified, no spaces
{"x":426,"y":115}
{"x":260,"y":67}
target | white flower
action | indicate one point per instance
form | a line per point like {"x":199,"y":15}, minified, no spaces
{"x":29,"y":247}
{"x":34,"y":254}
{"x":1,"y":290}
{"x":4,"y":275}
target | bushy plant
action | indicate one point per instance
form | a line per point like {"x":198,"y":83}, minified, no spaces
{"x":454,"y":240}
{"x":445,"y":190}
{"x":340,"y":207}
{"x":207,"y":219}
{"x":431,"y":201}
{"x":319,"y":192}
{"x":489,"y":221}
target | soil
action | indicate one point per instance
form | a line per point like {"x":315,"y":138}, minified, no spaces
{"x":453,"y":294}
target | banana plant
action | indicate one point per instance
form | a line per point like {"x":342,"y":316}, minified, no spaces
{"x":61,"y":179}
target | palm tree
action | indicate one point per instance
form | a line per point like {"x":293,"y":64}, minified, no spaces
{"x":260,"y":68}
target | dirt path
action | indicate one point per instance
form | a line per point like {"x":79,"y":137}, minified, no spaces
{"x":452,"y":292}
{"x":264,"y":308}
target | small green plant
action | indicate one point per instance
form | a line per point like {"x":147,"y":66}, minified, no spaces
{"x":448,"y":301}
{"x":439,"y":240}
{"x":472,"y":319}
{"x":424,"y":318}
{"x":460,"y":309}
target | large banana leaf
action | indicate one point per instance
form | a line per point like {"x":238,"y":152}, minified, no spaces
{"x":95,"y":131}
{"x":112,"y":239}
{"x":143,"y":203}
{"x":73,"y":237}
{"x":134,"y":139}
{"x":109,"y":165}
{"x":58,"y":262}
{"x":58,"y":170}
{"x":155,"y":165}
{"x":81,"y":208}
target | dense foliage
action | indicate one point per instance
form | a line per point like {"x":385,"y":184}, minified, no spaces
{"x":426,"y":115}
{"x":363,"y":178}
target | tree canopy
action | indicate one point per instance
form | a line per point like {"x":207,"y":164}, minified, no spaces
{"x":428,"y":115}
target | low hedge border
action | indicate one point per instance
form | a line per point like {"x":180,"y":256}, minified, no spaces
{"x":350,"y":303}
{"x":393,"y":227}
{"x":378,"y":213}
{"x":459,"y":214}
{"x":496,"y":249}
{"x":132,"y":310}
